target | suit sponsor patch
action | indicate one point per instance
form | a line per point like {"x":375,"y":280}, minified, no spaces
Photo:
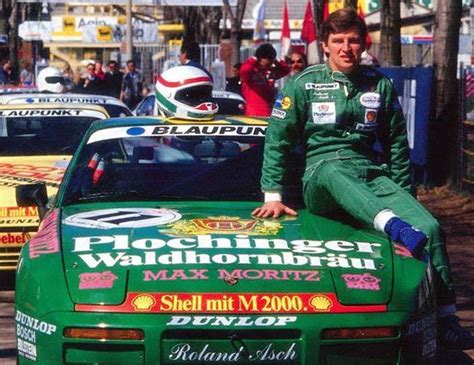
{"x":286,"y":103}
{"x":277,"y":113}
{"x":370,"y":100}
{"x":370,"y":116}
{"x":313,"y":86}
{"x":323,"y":113}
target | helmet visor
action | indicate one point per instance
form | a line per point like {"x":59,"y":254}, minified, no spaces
{"x":196,"y":95}
{"x":55,"y":80}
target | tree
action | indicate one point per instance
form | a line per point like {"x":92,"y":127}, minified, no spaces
{"x":235,"y":17}
{"x":445,"y":123}
{"x":390,"y":24}
{"x":201,"y":23}
{"x":9,"y":26}
{"x":352,"y":3}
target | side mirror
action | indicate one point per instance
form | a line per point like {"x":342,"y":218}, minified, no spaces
{"x":32,"y":195}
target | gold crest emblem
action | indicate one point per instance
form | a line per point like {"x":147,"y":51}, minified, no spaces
{"x":321,"y":303}
{"x":224,"y":225}
{"x":143,"y":303}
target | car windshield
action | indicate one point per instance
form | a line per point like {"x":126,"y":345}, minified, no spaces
{"x":41,"y":135}
{"x":174,"y":167}
{"x":168,"y":168}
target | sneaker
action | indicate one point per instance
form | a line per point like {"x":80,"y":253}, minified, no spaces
{"x":400,"y":231}
{"x":452,"y":336}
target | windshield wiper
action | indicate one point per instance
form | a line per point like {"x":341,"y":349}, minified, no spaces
{"x":113,"y":195}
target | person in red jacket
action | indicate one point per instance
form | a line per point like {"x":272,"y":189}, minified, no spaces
{"x":258,"y":75}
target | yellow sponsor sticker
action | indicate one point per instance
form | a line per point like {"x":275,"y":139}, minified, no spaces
{"x":285,"y":103}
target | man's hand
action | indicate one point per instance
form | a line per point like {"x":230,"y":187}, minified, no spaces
{"x":273,"y":209}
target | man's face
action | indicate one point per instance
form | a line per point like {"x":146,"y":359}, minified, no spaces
{"x":182,"y":58}
{"x":131,"y":67}
{"x":296,"y":62}
{"x":344,"y":50}
{"x":265,"y":62}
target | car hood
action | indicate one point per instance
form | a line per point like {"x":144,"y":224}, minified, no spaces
{"x":16,"y":171}
{"x":118,"y":257}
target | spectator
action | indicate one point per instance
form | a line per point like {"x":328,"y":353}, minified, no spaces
{"x":113,"y":79}
{"x":89,"y":83}
{"x":5,"y":73}
{"x":132,"y":86}
{"x":68,"y":74}
{"x":233,"y":83}
{"x":26,"y":76}
{"x":258,"y":75}
{"x":298,"y":62}
{"x":98,"y":70}
{"x":190,"y":55}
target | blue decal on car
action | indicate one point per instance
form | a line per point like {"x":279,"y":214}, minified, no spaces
{"x":135,"y":131}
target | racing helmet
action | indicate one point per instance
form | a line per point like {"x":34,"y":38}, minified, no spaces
{"x":51,"y":79}
{"x":185,"y":92}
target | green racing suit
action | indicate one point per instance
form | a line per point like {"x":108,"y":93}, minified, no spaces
{"x":339,"y":118}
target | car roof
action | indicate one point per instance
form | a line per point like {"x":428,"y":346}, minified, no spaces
{"x":32,"y":110}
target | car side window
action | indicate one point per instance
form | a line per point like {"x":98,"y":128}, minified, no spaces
{"x":147,"y":106}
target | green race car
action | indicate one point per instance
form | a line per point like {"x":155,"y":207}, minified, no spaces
{"x":149,"y":254}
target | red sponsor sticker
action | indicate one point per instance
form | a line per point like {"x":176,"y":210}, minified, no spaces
{"x":14,"y":238}
{"x":46,"y":240}
{"x":244,"y":303}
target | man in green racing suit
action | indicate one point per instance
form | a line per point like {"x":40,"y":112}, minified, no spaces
{"x":340,"y":110}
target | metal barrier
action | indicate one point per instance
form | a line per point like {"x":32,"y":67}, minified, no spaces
{"x":158,"y":58}
{"x":466,"y":130}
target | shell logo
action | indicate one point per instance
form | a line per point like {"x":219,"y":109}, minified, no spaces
{"x":143,"y":303}
{"x":321,"y":303}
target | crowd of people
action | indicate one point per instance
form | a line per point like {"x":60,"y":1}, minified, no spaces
{"x":258,"y":79}
{"x":128,"y":85}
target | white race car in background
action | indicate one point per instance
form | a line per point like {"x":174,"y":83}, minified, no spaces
{"x":113,"y":106}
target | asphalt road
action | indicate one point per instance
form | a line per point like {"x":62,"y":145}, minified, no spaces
{"x":454,"y":211}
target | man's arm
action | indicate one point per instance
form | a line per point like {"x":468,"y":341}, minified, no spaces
{"x":281,"y":69}
{"x":280,"y":136}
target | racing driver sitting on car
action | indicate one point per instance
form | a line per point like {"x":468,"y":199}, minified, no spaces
{"x":339,"y":109}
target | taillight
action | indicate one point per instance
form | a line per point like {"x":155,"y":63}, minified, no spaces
{"x":104,"y":333}
{"x":359,"y":333}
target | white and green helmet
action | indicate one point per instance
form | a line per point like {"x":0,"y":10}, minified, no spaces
{"x":185,"y":92}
